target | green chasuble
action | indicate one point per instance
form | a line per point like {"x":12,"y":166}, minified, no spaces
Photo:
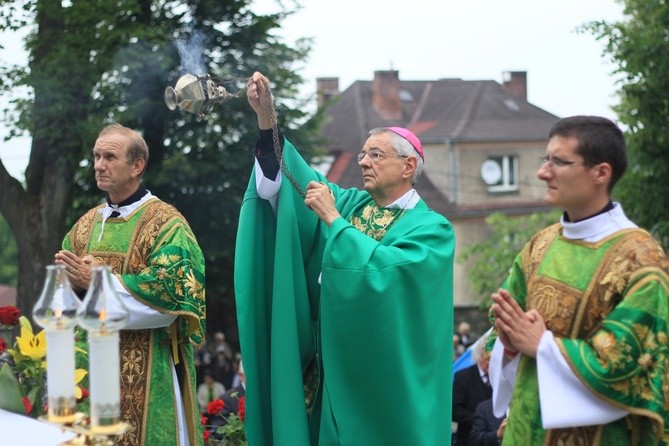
{"x":378,"y":327}
{"x":607,"y":305}
{"x":155,"y":255}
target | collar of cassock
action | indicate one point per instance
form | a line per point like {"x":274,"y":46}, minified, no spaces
{"x":124,"y":208}
{"x":597,"y":227}
{"x":406,"y":201}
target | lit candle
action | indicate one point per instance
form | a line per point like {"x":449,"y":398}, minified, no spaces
{"x":60,"y":374}
{"x":103,"y":314}
{"x":104,"y":379}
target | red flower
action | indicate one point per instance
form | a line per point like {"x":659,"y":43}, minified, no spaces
{"x":203,"y":420}
{"x":206,"y":435}
{"x":29,"y":406}
{"x":241,"y":409}
{"x":215,"y":407}
{"x":3,"y":345}
{"x":84,"y":394}
{"x":9,"y":315}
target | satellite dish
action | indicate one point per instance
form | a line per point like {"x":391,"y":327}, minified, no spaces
{"x":491,"y":172}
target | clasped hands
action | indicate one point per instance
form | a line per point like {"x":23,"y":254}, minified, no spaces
{"x":78,"y":268}
{"x":518,"y":330}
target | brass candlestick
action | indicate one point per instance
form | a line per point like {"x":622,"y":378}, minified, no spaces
{"x":86,"y":435}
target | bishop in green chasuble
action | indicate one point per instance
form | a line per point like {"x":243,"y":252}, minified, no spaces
{"x":359,"y":312}
{"x":155,"y":255}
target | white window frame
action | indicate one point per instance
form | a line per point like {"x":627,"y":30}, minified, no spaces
{"x":509,"y":180}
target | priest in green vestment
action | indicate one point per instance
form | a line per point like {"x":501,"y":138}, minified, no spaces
{"x":158,"y":271}
{"x":581,"y":356}
{"x":344,"y":297}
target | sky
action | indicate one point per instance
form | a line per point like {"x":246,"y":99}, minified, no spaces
{"x":567,"y":73}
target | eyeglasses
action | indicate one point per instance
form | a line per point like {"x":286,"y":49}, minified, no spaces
{"x":557,"y":162}
{"x":377,"y":155}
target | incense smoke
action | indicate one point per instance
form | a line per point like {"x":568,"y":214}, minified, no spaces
{"x":191,"y":50}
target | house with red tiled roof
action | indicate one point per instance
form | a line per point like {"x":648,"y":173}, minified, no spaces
{"x":482,"y":141}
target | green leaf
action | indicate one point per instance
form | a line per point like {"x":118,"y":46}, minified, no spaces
{"x":10,"y":395}
{"x":35,"y":396}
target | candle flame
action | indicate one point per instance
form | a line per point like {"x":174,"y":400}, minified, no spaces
{"x":103,"y":315}
{"x":58,"y":312}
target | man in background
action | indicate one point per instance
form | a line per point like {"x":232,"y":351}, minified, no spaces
{"x":208,"y":390}
{"x":470,"y":386}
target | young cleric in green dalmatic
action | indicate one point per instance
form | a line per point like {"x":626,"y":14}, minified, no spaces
{"x":582,"y":354}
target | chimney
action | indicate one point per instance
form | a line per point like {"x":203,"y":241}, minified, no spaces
{"x":386,"y":94}
{"x":326,"y":88}
{"x":515,"y":82}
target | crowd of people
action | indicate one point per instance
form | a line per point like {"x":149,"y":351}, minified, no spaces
{"x":340,"y":316}
{"x":212,"y":389}
{"x":218,"y":359}
{"x":221,"y":385}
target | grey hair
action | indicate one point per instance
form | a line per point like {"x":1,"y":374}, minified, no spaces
{"x":136,"y":145}
{"x":403,"y":148}
{"x":479,"y":348}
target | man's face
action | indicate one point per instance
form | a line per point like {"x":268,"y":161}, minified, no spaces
{"x":382,"y":176}
{"x":242,"y":375}
{"x":570,"y":183}
{"x":484,"y":364}
{"x":113,"y":174}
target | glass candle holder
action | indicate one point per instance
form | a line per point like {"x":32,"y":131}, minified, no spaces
{"x":102,"y":314}
{"x":56,"y":311}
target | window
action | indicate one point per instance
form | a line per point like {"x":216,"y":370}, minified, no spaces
{"x":500,"y":173}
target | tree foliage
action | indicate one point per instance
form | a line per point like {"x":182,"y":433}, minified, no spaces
{"x":93,"y":63}
{"x":489,"y":261}
{"x":639,"y":47}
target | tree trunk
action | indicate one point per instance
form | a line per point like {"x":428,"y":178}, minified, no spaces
{"x":37,"y":229}
{"x":31,"y":268}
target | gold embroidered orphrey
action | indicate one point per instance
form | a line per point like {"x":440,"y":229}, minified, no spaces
{"x":375,"y":221}
{"x":135,"y":345}
{"x":572,"y":313}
